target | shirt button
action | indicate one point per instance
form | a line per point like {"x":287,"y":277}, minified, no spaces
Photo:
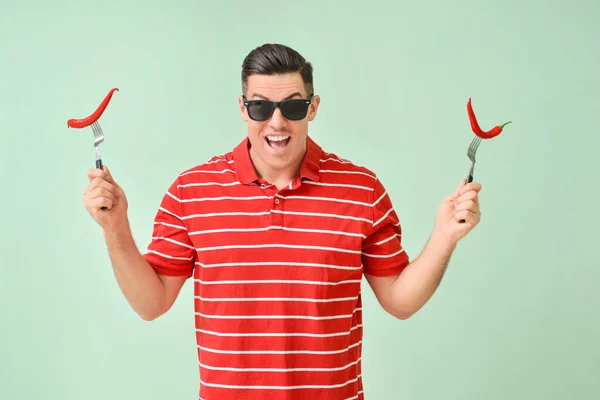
{"x":276,"y":201}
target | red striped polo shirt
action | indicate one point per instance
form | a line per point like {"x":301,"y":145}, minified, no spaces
{"x":277,"y":273}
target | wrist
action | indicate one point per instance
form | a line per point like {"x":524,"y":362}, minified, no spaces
{"x":118,"y":233}
{"x":442,"y":242}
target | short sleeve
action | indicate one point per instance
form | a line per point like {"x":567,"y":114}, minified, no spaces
{"x":170,"y":251}
{"x":382,"y":251}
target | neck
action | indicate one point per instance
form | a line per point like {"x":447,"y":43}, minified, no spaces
{"x":278,"y":177}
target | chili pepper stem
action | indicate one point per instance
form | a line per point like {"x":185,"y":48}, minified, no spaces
{"x":506,"y":123}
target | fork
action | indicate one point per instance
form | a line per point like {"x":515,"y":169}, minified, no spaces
{"x":471,"y":154}
{"x":98,"y":138}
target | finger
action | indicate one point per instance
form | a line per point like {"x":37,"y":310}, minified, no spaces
{"x":101,"y":173}
{"x":476,"y":186}
{"x":456,"y":192}
{"x":468,"y":217}
{"x":470,"y":195}
{"x":468,"y":205}
{"x":99,"y":182}
{"x":96,"y":173}
{"x":100,"y":192}
{"x":465,"y":215}
{"x":96,"y":204}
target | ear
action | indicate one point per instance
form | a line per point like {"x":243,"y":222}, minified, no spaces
{"x":243,"y":111}
{"x":314,"y":106}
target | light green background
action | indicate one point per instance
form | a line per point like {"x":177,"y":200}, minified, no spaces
{"x":516,"y":316}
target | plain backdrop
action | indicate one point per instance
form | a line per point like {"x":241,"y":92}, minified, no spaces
{"x":516,"y":315}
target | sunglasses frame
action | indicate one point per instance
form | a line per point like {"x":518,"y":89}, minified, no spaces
{"x":276,"y":104}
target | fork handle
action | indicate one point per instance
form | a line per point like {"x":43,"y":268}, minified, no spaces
{"x":469,"y":180}
{"x":99,"y":166}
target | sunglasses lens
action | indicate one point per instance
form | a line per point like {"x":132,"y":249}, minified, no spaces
{"x":260,"y":110}
{"x":294,"y":109}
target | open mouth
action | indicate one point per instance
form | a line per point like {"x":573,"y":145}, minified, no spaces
{"x":278,"y":142}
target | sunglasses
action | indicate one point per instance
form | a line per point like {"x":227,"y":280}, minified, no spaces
{"x":262,"y":110}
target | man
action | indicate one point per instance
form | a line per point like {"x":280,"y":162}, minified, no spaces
{"x":277,"y":235}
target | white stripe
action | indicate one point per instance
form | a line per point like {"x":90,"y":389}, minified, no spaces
{"x":380,"y":198}
{"x":282,"y":387}
{"x":257,"y":214}
{"x":172,"y":241}
{"x":280,"y":352}
{"x":209,"y":184}
{"x":169,"y":212}
{"x":214,"y":161}
{"x":309,"y":214}
{"x":170,"y":225}
{"x":201,"y":171}
{"x":277,"y":263}
{"x":384,"y":255}
{"x":170,"y":257}
{"x":349,"y":398}
{"x":208,"y":231}
{"x":276,"y":245}
{"x":250,"y":299}
{"x":282,"y":334}
{"x":395,"y":235}
{"x":347,"y":172}
{"x":341,"y":161}
{"x":332,"y":199}
{"x":201,"y":199}
{"x":173,"y":196}
{"x":325,"y":231}
{"x":279,"y":369}
{"x":384,"y":217}
{"x":338,"y":185}
{"x":272,"y":281}
{"x":308,"y":317}
{"x":226,"y":214}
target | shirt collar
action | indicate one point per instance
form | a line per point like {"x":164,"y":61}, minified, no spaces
{"x":246,"y":174}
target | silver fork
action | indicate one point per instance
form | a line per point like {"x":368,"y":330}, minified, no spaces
{"x":471,"y":154}
{"x":98,"y":138}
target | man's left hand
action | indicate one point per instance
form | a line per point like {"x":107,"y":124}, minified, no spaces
{"x":459,"y":212}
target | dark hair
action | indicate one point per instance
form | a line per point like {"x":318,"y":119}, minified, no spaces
{"x":271,"y":59}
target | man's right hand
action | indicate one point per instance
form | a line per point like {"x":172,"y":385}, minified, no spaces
{"x":103,"y":191}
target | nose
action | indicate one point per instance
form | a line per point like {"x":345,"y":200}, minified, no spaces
{"x":278,"y":121}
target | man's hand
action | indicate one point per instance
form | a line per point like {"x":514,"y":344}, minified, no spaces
{"x":103,"y":191}
{"x":459,"y":212}
{"x":405,"y":294}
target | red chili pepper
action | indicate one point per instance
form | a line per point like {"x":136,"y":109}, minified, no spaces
{"x":82,"y":123}
{"x":495,"y":131}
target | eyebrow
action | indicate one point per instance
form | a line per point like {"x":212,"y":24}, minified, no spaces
{"x":287,"y":98}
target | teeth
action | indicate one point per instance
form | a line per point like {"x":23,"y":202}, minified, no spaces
{"x":277,"y":138}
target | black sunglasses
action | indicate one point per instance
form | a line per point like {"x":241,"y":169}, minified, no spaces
{"x":262,"y":110}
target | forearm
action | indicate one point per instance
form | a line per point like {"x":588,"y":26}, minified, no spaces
{"x":138,"y":281}
{"x":417,"y":283}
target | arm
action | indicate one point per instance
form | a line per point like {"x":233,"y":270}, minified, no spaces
{"x":403,"y":294}
{"x":150,"y":294}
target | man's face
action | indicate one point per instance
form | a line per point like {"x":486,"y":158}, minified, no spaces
{"x":278,"y":143}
